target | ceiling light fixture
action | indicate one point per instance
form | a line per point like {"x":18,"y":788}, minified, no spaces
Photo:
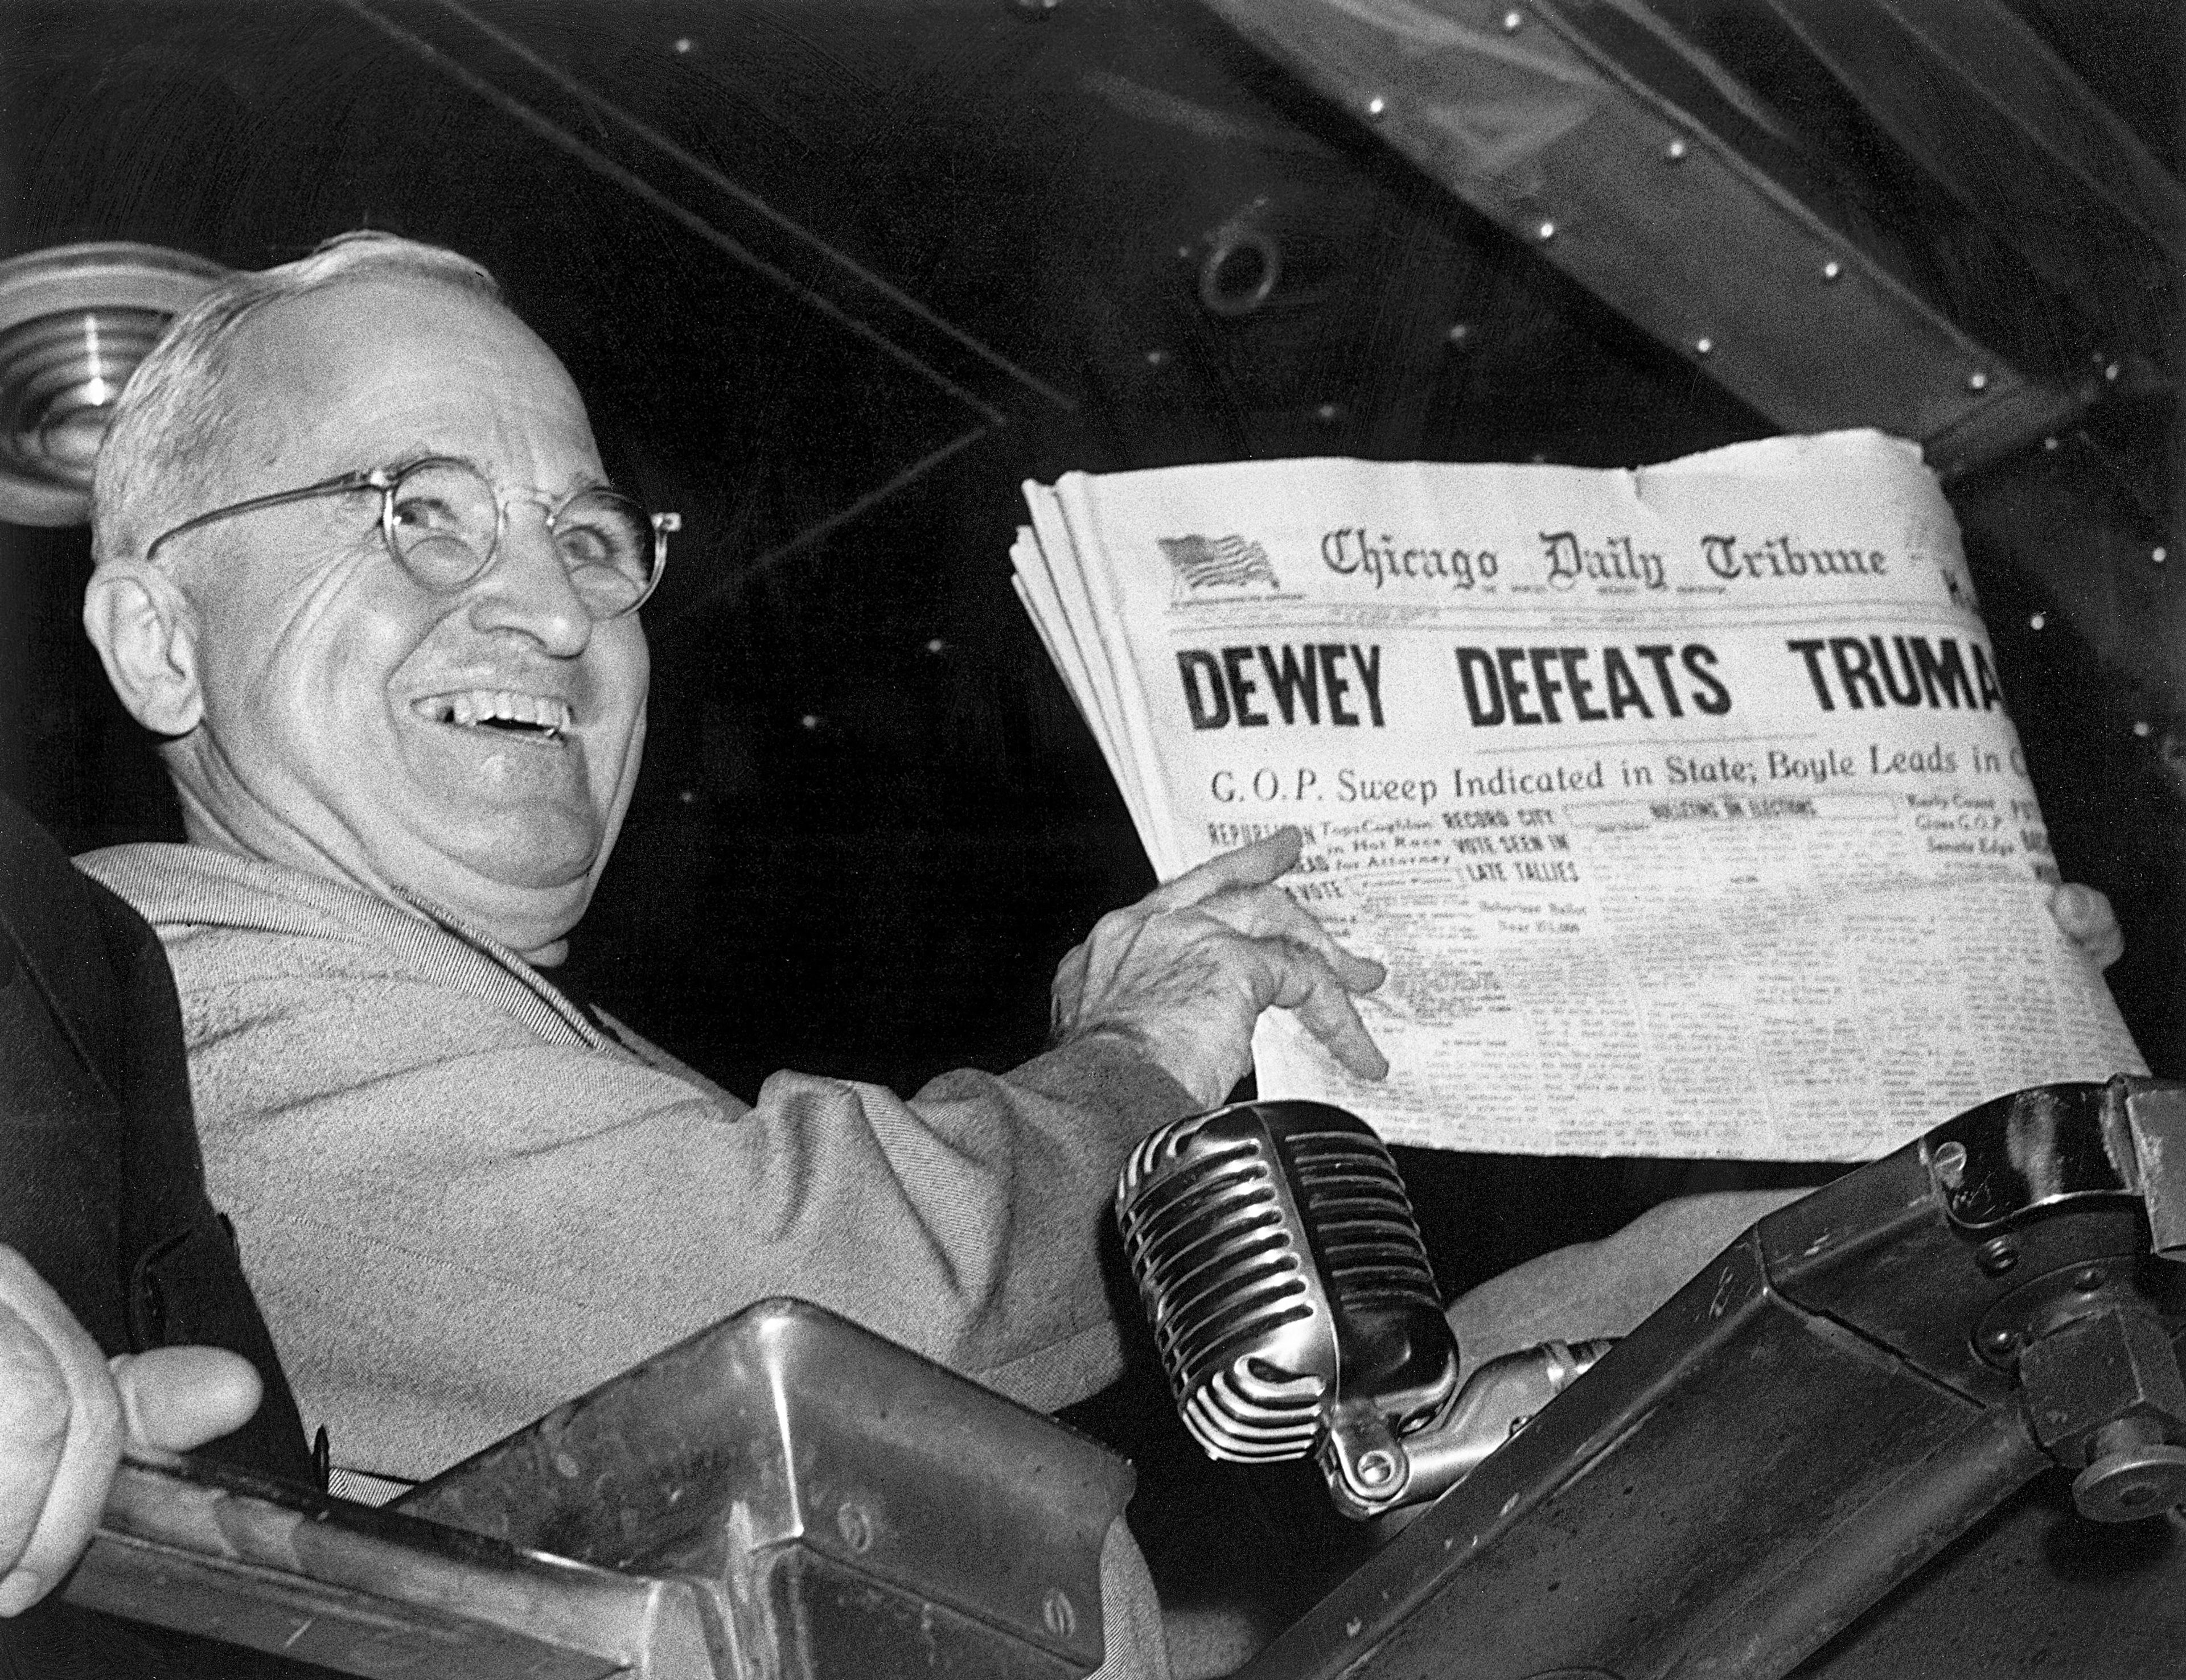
{"x":75,"y":320}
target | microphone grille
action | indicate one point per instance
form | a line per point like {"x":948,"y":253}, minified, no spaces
{"x":1362,"y":1223}
{"x":1225,"y":1267}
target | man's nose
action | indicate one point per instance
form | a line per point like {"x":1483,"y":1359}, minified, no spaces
{"x":527,"y":588}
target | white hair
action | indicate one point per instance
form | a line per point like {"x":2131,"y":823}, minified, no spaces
{"x":165,"y":442}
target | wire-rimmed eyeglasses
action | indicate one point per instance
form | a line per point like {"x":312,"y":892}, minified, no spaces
{"x":443,"y":522}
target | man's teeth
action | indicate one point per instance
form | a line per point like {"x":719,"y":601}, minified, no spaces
{"x":503,"y":708}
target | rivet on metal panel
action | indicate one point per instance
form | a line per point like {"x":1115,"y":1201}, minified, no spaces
{"x":2159,"y":554}
{"x":1060,"y":1615}
{"x":1674,"y":152}
{"x":1513,"y":21}
{"x":1328,"y":413}
{"x":1460,"y":334}
{"x":1157,"y":358}
{"x":682,"y":43}
{"x":2002,"y":1341}
{"x":2110,"y":372}
{"x":567,"y":1467}
{"x":2050,"y":443}
{"x":1997,"y":1256}
{"x":2038,"y":620}
{"x":855,"y":1527}
{"x":2141,"y":730}
{"x":1832,"y":270}
{"x":1545,"y":232}
{"x":1977,"y":380}
{"x":1242,"y":265}
{"x":1377,"y":105}
{"x":2089,"y":1278}
{"x":1703,"y":346}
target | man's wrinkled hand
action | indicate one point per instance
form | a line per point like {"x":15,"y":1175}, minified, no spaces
{"x":2085,"y":917}
{"x":1184,"y":972}
{"x":65,"y":1411}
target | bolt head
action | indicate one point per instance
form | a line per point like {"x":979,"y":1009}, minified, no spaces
{"x":1832,"y":270}
{"x":1375,"y":1468}
{"x":1997,"y":1256}
{"x":1950,"y":1163}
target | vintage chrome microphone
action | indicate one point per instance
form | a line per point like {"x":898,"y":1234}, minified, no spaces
{"x":1291,"y":1300}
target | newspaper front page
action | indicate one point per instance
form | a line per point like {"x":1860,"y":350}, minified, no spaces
{"x":1682,"y":803}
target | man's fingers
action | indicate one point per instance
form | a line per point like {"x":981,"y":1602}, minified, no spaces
{"x":60,"y":1434}
{"x":34,"y":1425}
{"x":1266,"y":858}
{"x":1268,"y":912}
{"x":2083,"y":915}
{"x":177,"y":1399}
{"x":1311,"y":991}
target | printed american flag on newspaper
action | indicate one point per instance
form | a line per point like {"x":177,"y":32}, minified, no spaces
{"x":1218,"y":563}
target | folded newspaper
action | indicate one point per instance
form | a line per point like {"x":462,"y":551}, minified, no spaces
{"x":1683,"y":804}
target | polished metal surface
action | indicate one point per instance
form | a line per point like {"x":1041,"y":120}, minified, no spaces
{"x":191,"y":1545}
{"x":785,"y":1496}
{"x":785,"y":1435}
{"x":2052,"y":1144}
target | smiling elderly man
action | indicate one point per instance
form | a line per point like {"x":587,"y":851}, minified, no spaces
{"x":358,"y":568}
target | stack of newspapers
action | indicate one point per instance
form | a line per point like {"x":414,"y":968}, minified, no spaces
{"x":1683,"y":804}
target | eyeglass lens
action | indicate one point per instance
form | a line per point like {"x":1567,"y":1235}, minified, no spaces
{"x":444,"y":518}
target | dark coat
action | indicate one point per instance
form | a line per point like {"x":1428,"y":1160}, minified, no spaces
{"x":102,"y":1190}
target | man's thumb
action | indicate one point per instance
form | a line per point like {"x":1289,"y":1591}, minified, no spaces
{"x":175,"y":1398}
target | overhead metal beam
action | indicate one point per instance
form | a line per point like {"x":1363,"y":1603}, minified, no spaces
{"x":1975,"y":98}
{"x":1631,"y":161}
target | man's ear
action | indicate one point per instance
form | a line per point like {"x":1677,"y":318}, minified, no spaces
{"x":145,"y":631}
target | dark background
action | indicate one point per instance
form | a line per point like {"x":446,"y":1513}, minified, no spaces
{"x":835,"y":279}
